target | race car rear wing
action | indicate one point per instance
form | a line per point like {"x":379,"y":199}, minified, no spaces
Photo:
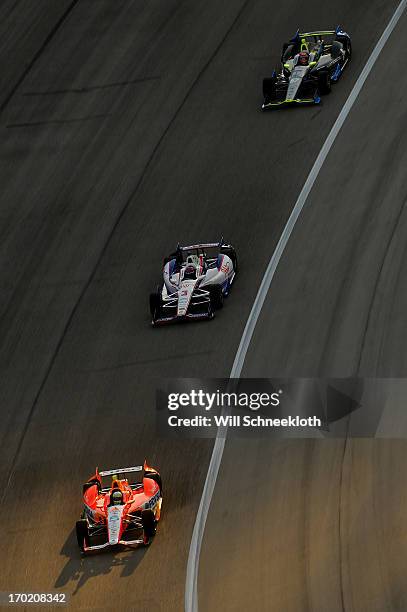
{"x":298,"y":35}
{"x":137,"y":468}
{"x":318,"y":33}
{"x":181,"y":251}
{"x":126,"y":473}
{"x":338,"y":31}
{"x":203,"y":245}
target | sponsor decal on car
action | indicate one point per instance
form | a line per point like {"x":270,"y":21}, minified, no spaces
{"x":114,"y":516}
{"x":151,"y":503}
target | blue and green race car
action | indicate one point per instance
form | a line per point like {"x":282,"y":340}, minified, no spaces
{"x":310,"y":63}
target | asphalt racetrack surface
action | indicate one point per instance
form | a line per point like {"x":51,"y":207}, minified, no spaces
{"x":129,"y":126}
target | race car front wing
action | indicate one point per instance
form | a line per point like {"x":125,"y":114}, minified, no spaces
{"x":200,"y":298}
{"x":298,"y":101}
{"x":107,"y":544}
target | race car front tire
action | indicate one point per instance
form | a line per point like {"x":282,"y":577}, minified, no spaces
{"x":149,"y":525}
{"x":269,"y":88}
{"x":216,"y":294}
{"x":82,"y":534}
{"x":324,"y":82}
{"x":155,"y":303}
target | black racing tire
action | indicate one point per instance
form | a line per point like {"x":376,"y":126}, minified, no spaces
{"x":171,"y":256}
{"x":155,"y":304}
{"x":82,"y":534}
{"x":149,"y":525}
{"x":230,"y":252}
{"x":156,"y":477}
{"x":216,"y":294}
{"x":346,"y":44}
{"x":287,"y":52}
{"x":324,"y":82}
{"x":90,"y":484}
{"x":269,"y":88}
{"x":336,"y":49}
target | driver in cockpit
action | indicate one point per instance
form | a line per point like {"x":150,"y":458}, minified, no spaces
{"x":116,"y":495}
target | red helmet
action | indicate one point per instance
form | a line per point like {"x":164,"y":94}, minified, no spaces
{"x":303,"y":58}
{"x":190,"y":272}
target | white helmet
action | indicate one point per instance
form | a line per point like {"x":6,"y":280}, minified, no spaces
{"x":191,"y":267}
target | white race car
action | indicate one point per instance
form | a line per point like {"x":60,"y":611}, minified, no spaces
{"x":196,"y":279}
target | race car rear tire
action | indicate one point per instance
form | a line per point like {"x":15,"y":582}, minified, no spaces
{"x":324,"y":82}
{"x":176,"y":255}
{"x":346,"y":44}
{"x":336,"y":49}
{"x":82,"y":534}
{"x":216,"y":293}
{"x":156,"y":477}
{"x":288,"y":52}
{"x":149,"y":525}
{"x":91,"y":483}
{"x":269,"y":88}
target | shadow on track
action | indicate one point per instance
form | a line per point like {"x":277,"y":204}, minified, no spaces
{"x":79,"y":569}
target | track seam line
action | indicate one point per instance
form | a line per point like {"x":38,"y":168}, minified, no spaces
{"x":105,"y":246}
{"x":377,"y":283}
{"x":191,"y":584}
{"x":38,"y":54}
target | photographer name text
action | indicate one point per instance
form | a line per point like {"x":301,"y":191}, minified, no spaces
{"x":236,"y":421}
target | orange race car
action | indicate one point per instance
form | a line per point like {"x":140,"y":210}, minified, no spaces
{"x":119,"y":511}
